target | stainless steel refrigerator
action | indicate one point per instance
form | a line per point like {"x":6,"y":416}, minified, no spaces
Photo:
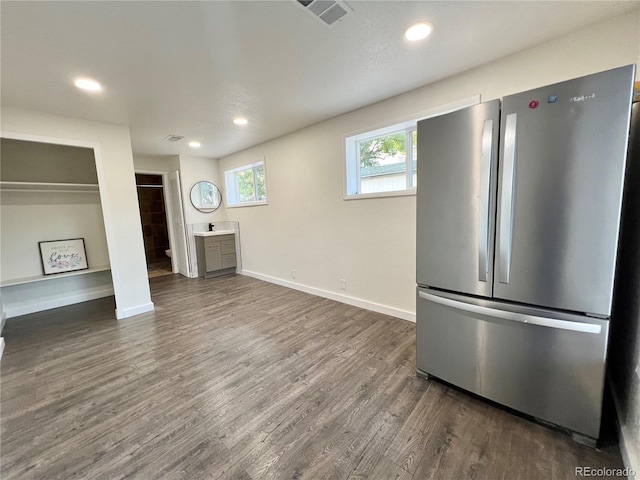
{"x":518,"y":209}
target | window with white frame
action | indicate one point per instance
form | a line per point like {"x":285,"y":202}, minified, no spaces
{"x":383,"y":162}
{"x":246,"y":185}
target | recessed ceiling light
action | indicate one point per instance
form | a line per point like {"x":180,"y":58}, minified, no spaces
{"x":88,"y":84}
{"x":418,"y":31}
{"x":194,"y":144}
{"x":240,"y":121}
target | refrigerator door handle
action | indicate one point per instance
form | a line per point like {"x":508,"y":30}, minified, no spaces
{"x":485,"y":189}
{"x":513,"y":316}
{"x":506,"y":198}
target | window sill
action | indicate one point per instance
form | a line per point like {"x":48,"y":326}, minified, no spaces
{"x":398,"y":193}
{"x":252,"y":204}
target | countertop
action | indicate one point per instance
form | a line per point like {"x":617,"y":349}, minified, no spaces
{"x":213,"y":234}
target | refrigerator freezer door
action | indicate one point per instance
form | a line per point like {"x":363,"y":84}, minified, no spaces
{"x":560,"y":190}
{"x":546,"y":364}
{"x":457,"y":168}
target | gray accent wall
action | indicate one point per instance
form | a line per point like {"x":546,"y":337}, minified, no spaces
{"x":624,"y":344}
{"x":24,"y":161}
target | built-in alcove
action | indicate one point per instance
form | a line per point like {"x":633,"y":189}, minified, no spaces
{"x":49,"y":192}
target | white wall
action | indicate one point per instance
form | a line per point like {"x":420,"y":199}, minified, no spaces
{"x":159,"y":163}
{"x":307,"y":226}
{"x":119,"y":201}
{"x":28,"y":218}
{"x":32,"y":297}
{"x":192,"y":171}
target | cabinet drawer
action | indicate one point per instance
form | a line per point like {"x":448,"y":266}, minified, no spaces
{"x":229,"y":260}
{"x":228,"y":246}
{"x":212,"y":240}
{"x":221,"y":238}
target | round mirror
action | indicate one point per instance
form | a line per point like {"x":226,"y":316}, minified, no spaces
{"x":205,"y":197}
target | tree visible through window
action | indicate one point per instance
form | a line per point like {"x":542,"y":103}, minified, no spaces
{"x":251,"y":184}
{"x":246,"y":185}
{"x":380,"y":148}
{"x":382,"y":161}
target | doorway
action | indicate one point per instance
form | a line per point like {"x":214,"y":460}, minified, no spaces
{"x":153,"y":215}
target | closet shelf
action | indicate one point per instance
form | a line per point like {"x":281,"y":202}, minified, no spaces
{"x":42,"y":278}
{"x":49,"y":187}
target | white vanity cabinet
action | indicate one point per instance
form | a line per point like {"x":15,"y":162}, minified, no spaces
{"x":216,"y":253}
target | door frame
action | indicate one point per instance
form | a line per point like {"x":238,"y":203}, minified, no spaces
{"x":168,"y":211}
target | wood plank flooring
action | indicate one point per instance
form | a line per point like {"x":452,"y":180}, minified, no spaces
{"x":234,"y":378}
{"x":158,"y":269}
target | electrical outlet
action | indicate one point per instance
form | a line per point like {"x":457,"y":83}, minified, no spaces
{"x":343,"y":284}
{"x":293,"y":274}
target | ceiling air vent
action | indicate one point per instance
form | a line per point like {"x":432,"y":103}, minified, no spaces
{"x":329,"y":11}
{"x":174,"y":138}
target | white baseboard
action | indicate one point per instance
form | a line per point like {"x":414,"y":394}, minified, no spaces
{"x":137,"y":310}
{"x":629,"y":449}
{"x":356,"y":302}
{"x":92,"y":294}
{"x":1,"y":347}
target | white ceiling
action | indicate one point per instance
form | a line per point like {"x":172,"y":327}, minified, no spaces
{"x":187,"y":68}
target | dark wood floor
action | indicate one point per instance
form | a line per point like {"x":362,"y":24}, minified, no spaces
{"x":237,"y":378}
